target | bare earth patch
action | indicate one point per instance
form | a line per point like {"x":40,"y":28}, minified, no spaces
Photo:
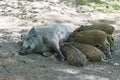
{"x":16,"y":17}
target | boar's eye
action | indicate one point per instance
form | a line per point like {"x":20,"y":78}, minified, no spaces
{"x":34,"y":35}
{"x":28,"y":39}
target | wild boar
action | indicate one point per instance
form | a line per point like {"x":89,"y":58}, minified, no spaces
{"x":42,"y":39}
{"x":93,"y":37}
{"x":109,"y":29}
{"x":92,"y":53}
{"x":73,"y":55}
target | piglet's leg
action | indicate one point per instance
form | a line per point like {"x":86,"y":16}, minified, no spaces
{"x":106,"y":47}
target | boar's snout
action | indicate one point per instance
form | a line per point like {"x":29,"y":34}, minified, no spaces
{"x":22,"y":53}
{"x":25,"y":50}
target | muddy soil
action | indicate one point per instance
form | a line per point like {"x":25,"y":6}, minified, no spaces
{"x":17,"y":16}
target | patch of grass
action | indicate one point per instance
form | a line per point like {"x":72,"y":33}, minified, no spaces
{"x":86,"y":1}
{"x":107,"y":6}
{"x":115,"y":6}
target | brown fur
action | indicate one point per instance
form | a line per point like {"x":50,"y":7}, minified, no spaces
{"x":100,"y":26}
{"x":93,"y":37}
{"x":109,"y":29}
{"x":73,"y":55}
{"x":92,"y":53}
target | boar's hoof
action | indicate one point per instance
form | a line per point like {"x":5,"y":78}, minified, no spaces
{"x":62,"y":59}
{"x":46,"y":54}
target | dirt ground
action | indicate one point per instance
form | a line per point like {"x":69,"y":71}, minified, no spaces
{"x":17,"y":16}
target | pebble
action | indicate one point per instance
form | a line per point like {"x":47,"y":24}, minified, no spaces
{"x":109,"y":72}
{"x":116,"y":64}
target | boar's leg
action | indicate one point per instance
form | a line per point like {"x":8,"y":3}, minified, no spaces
{"x":54,"y":43}
{"x":56,"y":47}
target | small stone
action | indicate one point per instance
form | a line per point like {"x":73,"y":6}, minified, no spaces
{"x":116,"y":64}
{"x":109,"y":72}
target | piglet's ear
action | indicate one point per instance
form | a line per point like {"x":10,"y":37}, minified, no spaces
{"x":32,"y":32}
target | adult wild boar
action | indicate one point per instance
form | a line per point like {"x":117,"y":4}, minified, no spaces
{"x":42,"y":39}
{"x":93,"y":37}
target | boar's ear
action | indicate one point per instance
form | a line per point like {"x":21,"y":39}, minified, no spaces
{"x":82,"y":26}
{"x":22,"y":36}
{"x":32,"y":32}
